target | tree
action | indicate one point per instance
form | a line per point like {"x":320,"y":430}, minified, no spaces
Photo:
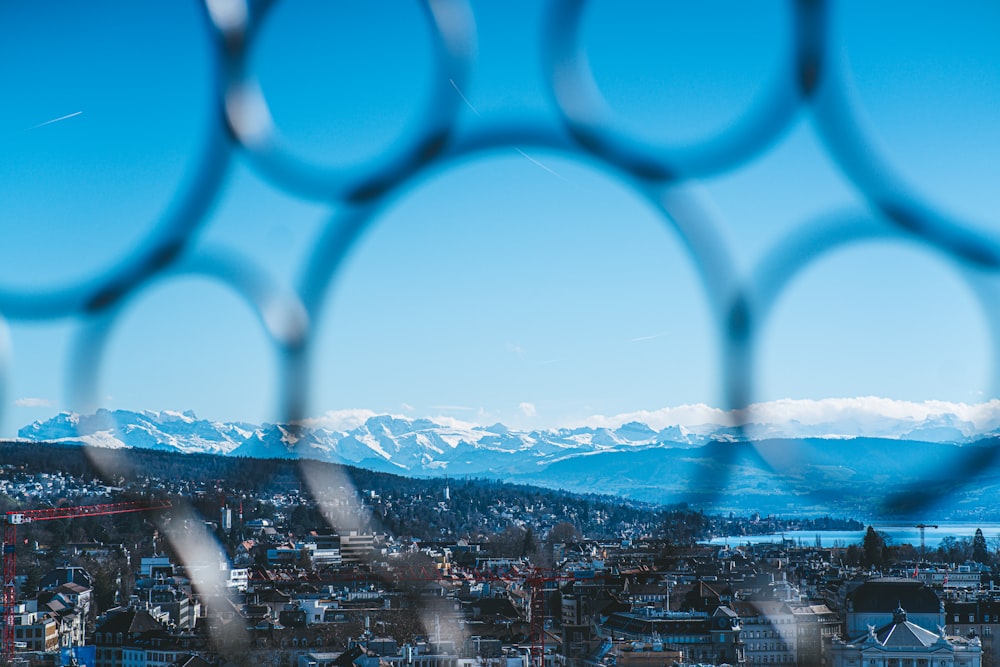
{"x":952,"y":550}
{"x":853,"y":555}
{"x":510,"y":543}
{"x":980,"y":552}
{"x":873,"y":547}
{"x":530,"y":544}
{"x":304,"y":559}
{"x":563,"y":532}
{"x":904,"y":552}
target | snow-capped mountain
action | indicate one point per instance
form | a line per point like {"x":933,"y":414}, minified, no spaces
{"x":167,"y":430}
{"x":444,"y":446}
{"x":382,"y":442}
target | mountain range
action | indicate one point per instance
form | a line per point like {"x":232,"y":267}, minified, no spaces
{"x":795,"y":463}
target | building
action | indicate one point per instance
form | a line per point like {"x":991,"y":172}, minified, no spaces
{"x":963,"y":577}
{"x":873,"y":604}
{"x":69,"y":605}
{"x":815,"y":626}
{"x":182,"y":608}
{"x":66,"y":575}
{"x":159,"y":649}
{"x":901,"y":643}
{"x":35,"y":630}
{"x":327,"y":659}
{"x":978,"y":617}
{"x":645,"y":655}
{"x":324,"y":549}
{"x":356,"y":547}
{"x":118,"y":629}
{"x":239,"y":578}
{"x":769,"y":633}
{"x":699,"y":636}
{"x":155,"y":567}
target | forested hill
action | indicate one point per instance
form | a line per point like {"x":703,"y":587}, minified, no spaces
{"x":402,"y":505}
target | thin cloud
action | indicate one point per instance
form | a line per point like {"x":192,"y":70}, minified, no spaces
{"x":56,"y":120}
{"x":859,"y":415}
{"x":866,"y":409}
{"x":32,"y":402}
{"x":528,"y":409}
{"x":690,"y":414}
{"x":457,"y":408}
{"x":340,"y":420}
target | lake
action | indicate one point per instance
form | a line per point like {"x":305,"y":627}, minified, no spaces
{"x":899,"y":533}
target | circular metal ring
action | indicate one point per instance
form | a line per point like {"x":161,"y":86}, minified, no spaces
{"x":841,"y":125}
{"x":164,"y":244}
{"x":249,"y":120}
{"x":680,"y":208}
{"x":279,"y":311}
{"x":777,"y":270}
{"x":583,"y":110}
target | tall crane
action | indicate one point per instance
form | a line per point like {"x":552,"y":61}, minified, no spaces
{"x":923,"y":543}
{"x":535,"y":583}
{"x":15,"y":518}
{"x":922,"y":527}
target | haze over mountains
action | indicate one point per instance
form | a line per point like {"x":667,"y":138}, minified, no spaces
{"x":796,"y":453}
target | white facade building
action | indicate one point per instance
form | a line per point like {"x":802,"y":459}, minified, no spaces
{"x":905,"y":644}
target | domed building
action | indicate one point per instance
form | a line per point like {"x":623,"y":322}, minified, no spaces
{"x":873,"y":604}
{"x":902,"y":643}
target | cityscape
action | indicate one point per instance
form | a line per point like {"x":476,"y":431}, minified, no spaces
{"x":459,"y":333}
{"x":143,"y":557}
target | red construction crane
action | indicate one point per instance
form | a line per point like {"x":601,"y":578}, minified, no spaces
{"x":535,"y":583}
{"x":15,"y":518}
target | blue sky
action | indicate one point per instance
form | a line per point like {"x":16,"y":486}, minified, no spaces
{"x":521,"y":284}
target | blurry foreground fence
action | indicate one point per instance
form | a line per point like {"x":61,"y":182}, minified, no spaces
{"x":813,"y":81}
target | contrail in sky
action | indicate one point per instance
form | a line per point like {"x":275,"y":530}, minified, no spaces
{"x":464,"y":98}
{"x":523,"y":154}
{"x":537,"y":163}
{"x":659,"y":335}
{"x":56,"y":120}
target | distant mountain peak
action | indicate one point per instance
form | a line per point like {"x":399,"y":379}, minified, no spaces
{"x":425,"y":446}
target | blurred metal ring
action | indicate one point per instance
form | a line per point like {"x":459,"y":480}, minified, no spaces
{"x":161,"y":247}
{"x":249,"y":119}
{"x":588,"y":118}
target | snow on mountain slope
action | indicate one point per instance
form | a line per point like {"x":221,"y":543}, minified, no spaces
{"x":170,"y":431}
{"x":447,"y":446}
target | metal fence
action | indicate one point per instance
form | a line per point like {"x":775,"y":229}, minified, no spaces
{"x":814,"y":82}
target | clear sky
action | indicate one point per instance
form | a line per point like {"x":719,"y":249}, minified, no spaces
{"x":521,"y":284}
